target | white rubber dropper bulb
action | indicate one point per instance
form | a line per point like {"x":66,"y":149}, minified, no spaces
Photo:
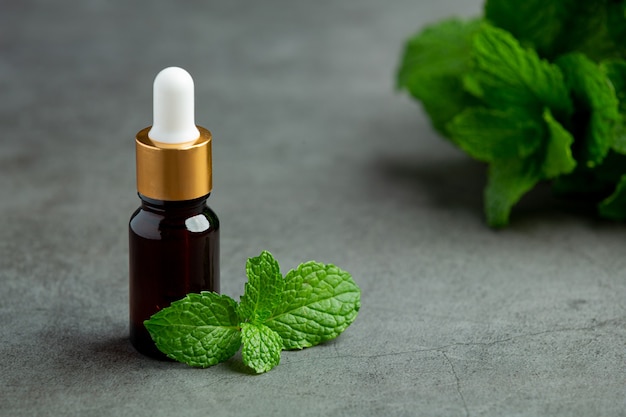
{"x":173,"y":108}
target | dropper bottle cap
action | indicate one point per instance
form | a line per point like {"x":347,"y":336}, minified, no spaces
{"x":173,"y":108}
{"x":173,"y":155}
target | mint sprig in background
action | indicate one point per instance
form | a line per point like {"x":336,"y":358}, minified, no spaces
{"x":535,"y":89}
{"x":310,"y":305}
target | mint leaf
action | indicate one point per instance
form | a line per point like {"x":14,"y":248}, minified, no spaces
{"x":615,"y":70}
{"x":536,"y":23}
{"x":319,"y":302}
{"x":611,"y":170}
{"x":548,"y":81}
{"x":508,"y":181}
{"x":199,"y":330}
{"x":490,"y":134}
{"x":261,"y":347}
{"x":263,"y":289}
{"x":555,"y":27}
{"x":558,"y":159}
{"x":597,"y":113}
{"x":432,"y":65}
{"x":505,"y":75}
{"x":499,"y":138}
{"x":589,"y":30}
{"x":314,"y":303}
{"x":616,"y":26}
{"x":614,"y":206}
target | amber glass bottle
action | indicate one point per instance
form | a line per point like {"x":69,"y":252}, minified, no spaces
{"x":174,"y":250}
{"x":174,"y":235}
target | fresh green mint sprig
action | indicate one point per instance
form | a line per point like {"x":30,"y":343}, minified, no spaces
{"x":535,"y":90}
{"x":310,"y":305}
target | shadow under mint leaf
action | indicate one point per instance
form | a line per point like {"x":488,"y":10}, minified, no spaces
{"x":452,"y":183}
{"x":236,"y":364}
{"x":457,"y":182}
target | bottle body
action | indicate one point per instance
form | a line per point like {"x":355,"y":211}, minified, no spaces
{"x":173,"y":251}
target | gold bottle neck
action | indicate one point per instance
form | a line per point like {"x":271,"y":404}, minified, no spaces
{"x":174,"y":172}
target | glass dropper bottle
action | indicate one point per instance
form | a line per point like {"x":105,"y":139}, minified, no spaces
{"x":174,"y":235}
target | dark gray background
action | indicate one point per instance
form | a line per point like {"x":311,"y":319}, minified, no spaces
{"x":315,"y":157}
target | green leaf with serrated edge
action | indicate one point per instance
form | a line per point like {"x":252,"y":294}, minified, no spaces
{"x":263,"y":290}
{"x":615,"y":70}
{"x":506,"y":75}
{"x":320,"y":301}
{"x":431,"y":68}
{"x":199,"y":330}
{"x":597,"y":111}
{"x":490,"y":134}
{"x":508,"y":181}
{"x":261,"y":347}
{"x":558,"y":159}
{"x":614,"y":206}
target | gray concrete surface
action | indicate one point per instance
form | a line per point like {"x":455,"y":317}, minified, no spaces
{"x":316,"y":157}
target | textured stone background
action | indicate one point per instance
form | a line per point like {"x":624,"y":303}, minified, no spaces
{"x":316,"y":157}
